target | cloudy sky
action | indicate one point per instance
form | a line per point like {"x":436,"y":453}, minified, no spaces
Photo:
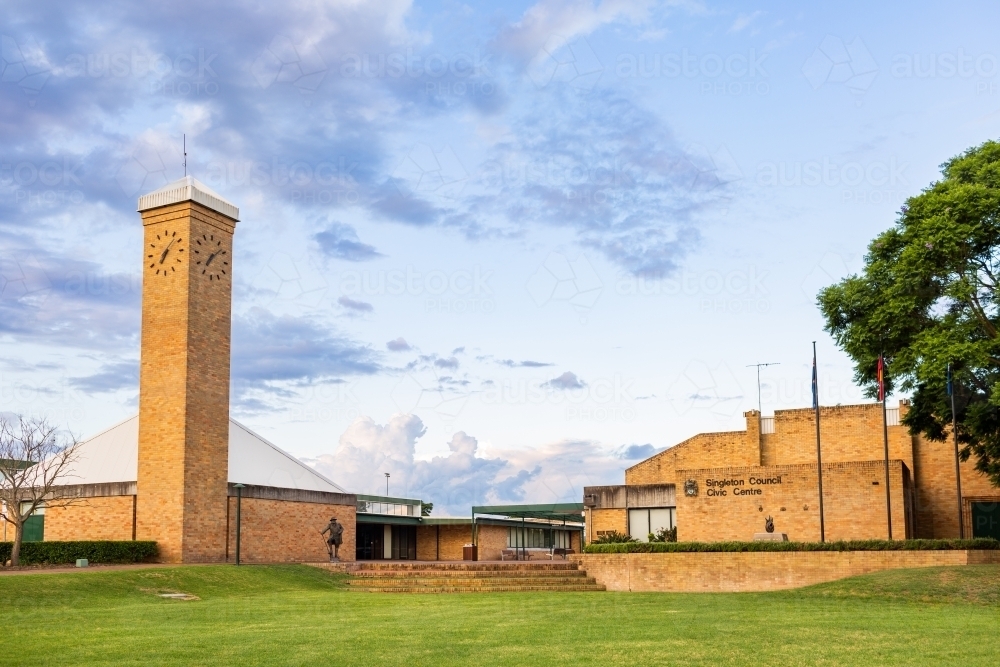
{"x":499,"y":250}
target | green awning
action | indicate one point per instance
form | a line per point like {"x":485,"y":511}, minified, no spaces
{"x":388,"y":519}
{"x":552,"y":512}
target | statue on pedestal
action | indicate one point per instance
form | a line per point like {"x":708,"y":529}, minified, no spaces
{"x":335,"y":539}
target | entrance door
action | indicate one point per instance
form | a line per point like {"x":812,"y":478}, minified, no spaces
{"x":986,"y":520}
{"x":369,"y":541}
{"x":404,"y":542}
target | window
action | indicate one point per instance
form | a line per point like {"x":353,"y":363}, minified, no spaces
{"x":391,"y":509}
{"x":537,"y":538}
{"x":642,"y":522}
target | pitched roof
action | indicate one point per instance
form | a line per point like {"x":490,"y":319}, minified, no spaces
{"x":189,"y":188}
{"x":113,"y":456}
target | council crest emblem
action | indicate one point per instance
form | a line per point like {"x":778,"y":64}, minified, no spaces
{"x":691,"y":488}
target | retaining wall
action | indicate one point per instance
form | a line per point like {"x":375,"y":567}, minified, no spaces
{"x":719,"y":572}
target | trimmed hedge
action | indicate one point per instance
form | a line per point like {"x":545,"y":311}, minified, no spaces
{"x":60,"y":553}
{"x":853,"y":545}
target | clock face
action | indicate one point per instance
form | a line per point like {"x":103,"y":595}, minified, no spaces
{"x":165,"y":253}
{"x":211,"y":257}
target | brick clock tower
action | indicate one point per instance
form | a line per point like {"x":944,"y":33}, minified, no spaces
{"x":184,"y":371}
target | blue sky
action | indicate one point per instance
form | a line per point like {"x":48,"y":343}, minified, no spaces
{"x":500,"y":251}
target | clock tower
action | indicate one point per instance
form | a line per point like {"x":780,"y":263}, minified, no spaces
{"x":182,"y":480}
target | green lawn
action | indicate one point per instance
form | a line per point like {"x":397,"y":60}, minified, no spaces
{"x":296,"y":615}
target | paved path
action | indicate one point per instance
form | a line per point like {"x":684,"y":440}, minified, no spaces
{"x":91,"y":568}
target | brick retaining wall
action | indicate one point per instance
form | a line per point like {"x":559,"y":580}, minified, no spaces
{"x":721,"y":572}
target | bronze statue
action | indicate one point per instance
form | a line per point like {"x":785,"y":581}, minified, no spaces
{"x":769,"y":524}
{"x":335,"y":540}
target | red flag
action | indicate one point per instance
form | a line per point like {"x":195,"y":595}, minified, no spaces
{"x":881,"y":379}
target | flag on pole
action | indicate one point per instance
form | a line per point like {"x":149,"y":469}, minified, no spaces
{"x":949,"y":378}
{"x":881,"y":379}
{"x":815,"y":382}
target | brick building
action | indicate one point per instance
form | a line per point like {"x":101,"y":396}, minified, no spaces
{"x":722,"y":486}
{"x":176,"y":472}
{"x":181,"y":471}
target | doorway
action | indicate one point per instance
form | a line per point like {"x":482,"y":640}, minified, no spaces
{"x":986,"y":520}
{"x":370,"y":541}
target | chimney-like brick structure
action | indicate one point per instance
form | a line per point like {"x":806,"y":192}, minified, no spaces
{"x":184,"y":371}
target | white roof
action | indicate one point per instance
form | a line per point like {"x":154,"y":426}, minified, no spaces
{"x":113,"y":456}
{"x":189,"y":188}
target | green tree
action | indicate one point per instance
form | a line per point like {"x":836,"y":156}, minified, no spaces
{"x":928,"y":297}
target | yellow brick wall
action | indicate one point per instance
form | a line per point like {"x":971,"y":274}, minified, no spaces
{"x":101,"y":518}
{"x":281,"y":531}
{"x":705,"y":450}
{"x":491,"y":540}
{"x":601,"y":520}
{"x":758,"y":571}
{"x":847,"y":433}
{"x":184,"y":386}
{"x":936,"y":492}
{"x":452,"y":539}
{"x":854,"y":507}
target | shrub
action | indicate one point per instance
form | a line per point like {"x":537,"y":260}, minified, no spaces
{"x":664,"y":535}
{"x":60,"y":553}
{"x":853,"y":545}
{"x":614,"y":537}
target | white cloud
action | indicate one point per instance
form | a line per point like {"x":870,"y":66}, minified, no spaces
{"x":466,"y":476}
{"x":744,"y":20}
{"x":565,"y":21}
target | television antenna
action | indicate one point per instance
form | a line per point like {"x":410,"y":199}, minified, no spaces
{"x":758,"y":367}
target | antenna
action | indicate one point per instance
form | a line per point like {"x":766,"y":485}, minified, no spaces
{"x":757,"y":366}
{"x":185,"y":154}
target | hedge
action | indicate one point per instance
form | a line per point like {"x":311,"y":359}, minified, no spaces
{"x":852,"y":545}
{"x":59,"y":553}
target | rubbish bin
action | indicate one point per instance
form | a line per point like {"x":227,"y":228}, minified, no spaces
{"x":470,"y":552}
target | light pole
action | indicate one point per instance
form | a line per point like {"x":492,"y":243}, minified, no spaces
{"x":386,"y":485}
{"x":239,"y":502}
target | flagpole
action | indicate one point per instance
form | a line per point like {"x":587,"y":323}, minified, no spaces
{"x":819,"y":451}
{"x":885,"y":436}
{"x":958,"y":469}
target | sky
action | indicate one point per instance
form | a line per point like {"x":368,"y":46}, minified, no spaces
{"x":500,"y":251}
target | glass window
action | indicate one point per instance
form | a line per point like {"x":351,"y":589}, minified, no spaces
{"x":642,"y":522}
{"x":537,"y":538}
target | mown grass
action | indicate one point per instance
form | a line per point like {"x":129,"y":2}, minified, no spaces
{"x":297,"y":615}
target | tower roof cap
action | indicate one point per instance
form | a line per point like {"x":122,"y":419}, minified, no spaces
{"x":189,"y":188}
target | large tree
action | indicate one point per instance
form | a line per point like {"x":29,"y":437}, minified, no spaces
{"x":928,"y":297}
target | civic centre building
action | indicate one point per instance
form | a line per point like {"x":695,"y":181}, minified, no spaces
{"x":723,"y":486}
{"x":181,"y":471}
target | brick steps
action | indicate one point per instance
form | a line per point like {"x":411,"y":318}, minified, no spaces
{"x":482,"y":589}
{"x":363,"y":582}
{"x":468,"y":577}
{"x":477,"y":566}
{"x":467,"y":574}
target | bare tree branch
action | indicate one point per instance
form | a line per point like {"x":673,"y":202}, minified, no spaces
{"x":33,"y":463}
